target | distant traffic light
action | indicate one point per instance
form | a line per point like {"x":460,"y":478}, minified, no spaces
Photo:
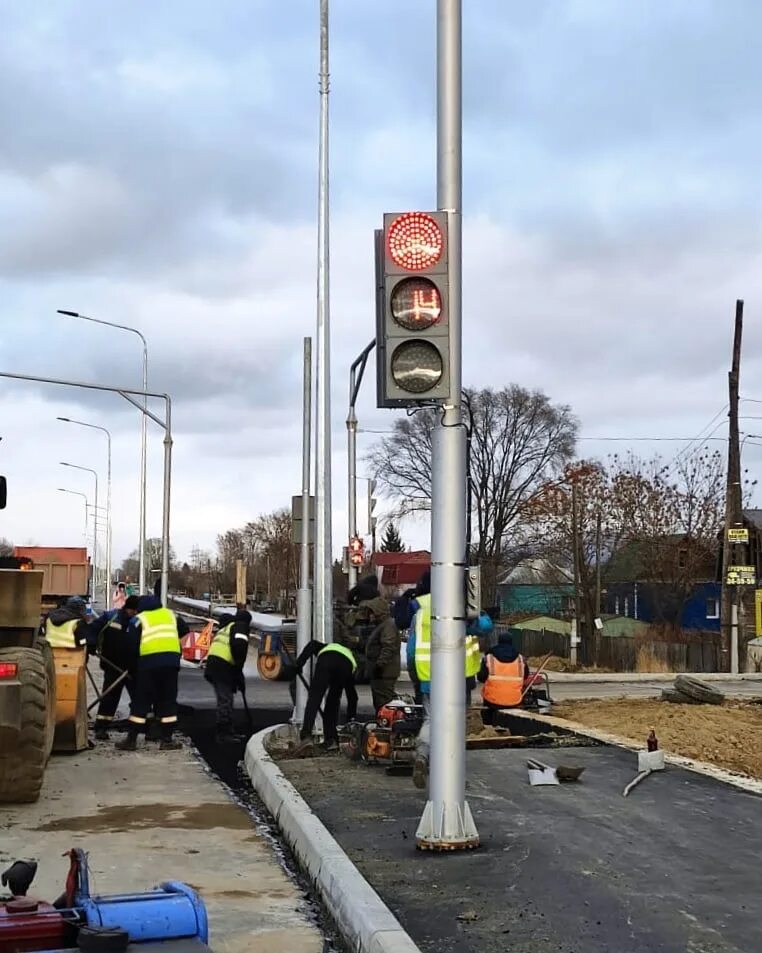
{"x":356,"y":551}
{"x":412,"y":317}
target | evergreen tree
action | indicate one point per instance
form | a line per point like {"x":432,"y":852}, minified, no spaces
{"x":392,"y":541}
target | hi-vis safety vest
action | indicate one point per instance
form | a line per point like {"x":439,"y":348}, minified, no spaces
{"x":505,"y":682}
{"x":423,"y":644}
{"x":342,"y":650}
{"x":158,"y":632}
{"x":473,"y":656}
{"x":62,"y":636}
{"x":221,"y":644}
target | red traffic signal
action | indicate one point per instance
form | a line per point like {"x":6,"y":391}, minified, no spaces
{"x":415,"y":241}
{"x":356,"y":551}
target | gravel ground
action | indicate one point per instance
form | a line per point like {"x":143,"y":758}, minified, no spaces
{"x":729,"y":735}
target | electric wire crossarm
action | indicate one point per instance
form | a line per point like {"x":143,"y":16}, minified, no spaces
{"x":130,"y":394}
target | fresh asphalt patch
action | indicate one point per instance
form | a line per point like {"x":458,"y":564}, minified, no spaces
{"x":574,"y":868}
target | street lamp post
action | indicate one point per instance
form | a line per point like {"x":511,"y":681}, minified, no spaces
{"x":84,"y":497}
{"x":76,"y":466}
{"x":144,"y":418}
{"x":81,"y":423}
{"x":166,"y":425}
{"x":356,"y":372}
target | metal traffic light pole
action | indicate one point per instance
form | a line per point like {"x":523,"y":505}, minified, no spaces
{"x":447,"y":823}
{"x":356,"y":372}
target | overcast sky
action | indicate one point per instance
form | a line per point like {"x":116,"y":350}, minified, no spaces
{"x":158,"y":169}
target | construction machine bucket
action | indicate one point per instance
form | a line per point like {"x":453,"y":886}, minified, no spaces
{"x":71,"y":700}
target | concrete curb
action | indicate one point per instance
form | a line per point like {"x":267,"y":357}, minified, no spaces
{"x":580,"y":678}
{"x":364,"y":920}
{"x":742,"y":781}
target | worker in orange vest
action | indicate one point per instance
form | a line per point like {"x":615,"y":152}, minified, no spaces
{"x":502,"y":675}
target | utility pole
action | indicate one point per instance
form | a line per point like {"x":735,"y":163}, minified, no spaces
{"x":733,"y":553}
{"x":447,"y":823}
{"x":323,"y":581}
{"x":576,"y":628}
{"x":304,"y":595}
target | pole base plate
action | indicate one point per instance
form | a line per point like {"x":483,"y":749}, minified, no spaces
{"x":446,"y":827}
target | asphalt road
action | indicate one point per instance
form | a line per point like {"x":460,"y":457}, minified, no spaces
{"x":575,"y":868}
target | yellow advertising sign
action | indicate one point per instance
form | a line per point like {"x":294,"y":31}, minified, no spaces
{"x":738,"y":535}
{"x":758,"y":612}
{"x":741,"y":576}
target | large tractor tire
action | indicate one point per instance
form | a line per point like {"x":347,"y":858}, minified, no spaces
{"x":698,"y":690}
{"x":43,"y":647}
{"x":23,"y":768}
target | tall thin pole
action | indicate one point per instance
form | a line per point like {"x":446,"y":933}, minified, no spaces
{"x":323,"y":537}
{"x":447,"y":823}
{"x":733,"y":508}
{"x":166,"y":501}
{"x":303,"y":596}
{"x":577,"y":629}
{"x":356,"y":372}
{"x":352,"y":475}
{"x":109,"y":570}
{"x":143,"y":467}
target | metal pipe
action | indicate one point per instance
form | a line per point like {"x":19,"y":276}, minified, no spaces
{"x":142,"y":540}
{"x":303,"y":596}
{"x":447,"y":823}
{"x":323,"y":580}
{"x":166,"y":425}
{"x":76,"y":466}
{"x":109,"y":568}
{"x":356,"y":372}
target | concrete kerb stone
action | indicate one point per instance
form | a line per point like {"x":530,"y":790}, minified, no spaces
{"x":364,"y":920}
{"x":736,"y":779}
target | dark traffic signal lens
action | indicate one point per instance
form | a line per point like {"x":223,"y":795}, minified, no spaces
{"x":416,"y":304}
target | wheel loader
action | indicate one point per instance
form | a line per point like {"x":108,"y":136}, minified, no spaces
{"x":43,"y":699}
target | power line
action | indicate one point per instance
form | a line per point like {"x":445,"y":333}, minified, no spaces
{"x":652,"y":439}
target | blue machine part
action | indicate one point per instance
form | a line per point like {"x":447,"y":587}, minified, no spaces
{"x":170,"y":912}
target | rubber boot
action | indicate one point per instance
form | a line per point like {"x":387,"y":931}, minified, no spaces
{"x":168,"y":743}
{"x":154,"y":730}
{"x":129,"y":742}
{"x":101,"y":732}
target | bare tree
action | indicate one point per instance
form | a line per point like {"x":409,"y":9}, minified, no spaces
{"x":518,"y":440}
{"x":6,"y":547}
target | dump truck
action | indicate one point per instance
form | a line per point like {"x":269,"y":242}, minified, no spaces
{"x":65,"y":570}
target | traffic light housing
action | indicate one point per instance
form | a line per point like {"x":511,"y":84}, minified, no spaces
{"x":412,"y":310}
{"x":356,"y":551}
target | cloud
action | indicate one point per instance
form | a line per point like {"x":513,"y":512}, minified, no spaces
{"x":159,"y":170}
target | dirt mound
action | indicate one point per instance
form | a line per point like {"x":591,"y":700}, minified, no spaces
{"x":728,"y":735}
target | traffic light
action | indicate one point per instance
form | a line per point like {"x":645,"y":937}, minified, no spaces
{"x":356,"y":551}
{"x":412,"y":309}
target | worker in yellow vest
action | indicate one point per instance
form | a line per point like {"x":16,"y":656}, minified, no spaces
{"x":224,"y":668}
{"x":419,"y":650}
{"x":66,"y":627}
{"x":159,"y":653}
{"x":334,"y":673}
